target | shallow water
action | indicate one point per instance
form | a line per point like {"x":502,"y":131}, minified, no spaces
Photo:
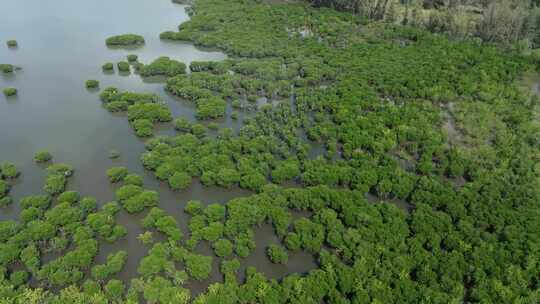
{"x":61,"y":45}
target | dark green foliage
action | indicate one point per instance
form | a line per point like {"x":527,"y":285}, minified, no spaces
{"x":132,"y":58}
{"x":12,"y":43}
{"x":92,"y":84}
{"x":125,"y":40}
{"x":163,"y":66}
{"x":123,"y":66}
{"x":108,"y":66}
{"x":193,"y":207}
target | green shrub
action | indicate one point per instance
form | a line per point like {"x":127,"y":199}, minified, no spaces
{"x":193,"y":207}
{"x":143,"y":127}
{"x":9,"y":170}
{"x":55,"y":184}
{"x":163,"y":66}
{"x":123,"y":66}
{"x":179,"y":181}
{"x":92,"y":84}
{"x":108,"y":66}
{"x":223,"y":248}
{"x":182,"y":124}
{"x":12,"y":43}
{"x":7,"y":68}
{"x":42,"y":156}
{"x":133,"y":179}
{"x":198,"y":266}
{"x":277,"y":254}
{"x":117,"y":174}
{"x":125,"y":40}
{"x":10,"y":92}
{"x":132,"y":57}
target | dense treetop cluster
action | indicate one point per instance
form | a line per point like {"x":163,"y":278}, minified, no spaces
{"x":403,"y":115}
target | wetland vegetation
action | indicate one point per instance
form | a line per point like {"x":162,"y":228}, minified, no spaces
{"x":367,"y":160}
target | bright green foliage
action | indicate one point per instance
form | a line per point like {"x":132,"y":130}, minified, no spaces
{"x":125,"y":40}
{"x":198,"y":266}
{"x":277,"y":254}
{"x":134,"y":198}
{"x":163,"y":66}
{"x":133,"y":179}
{"x":42,"y":156}
{"x":10,"y":92}
{"x":115,"y":263}
{"x":214,"y":212}
{"x":7,"y":68}
{"x":117,"y":174}
{"x":9,"y":170}
{"x":223,"y":248}
{"x":55,"y":184}
{"x":193,"y":207}
{"x":179,"y":181}
{"x":164,"y":223}
{"x":143,"y":127}
{"x":114,"y":289}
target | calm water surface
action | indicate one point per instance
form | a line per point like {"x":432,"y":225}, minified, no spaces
{"x":61,"y":45}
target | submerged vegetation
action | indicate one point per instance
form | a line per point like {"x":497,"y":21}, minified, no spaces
{"x":401,"y":116}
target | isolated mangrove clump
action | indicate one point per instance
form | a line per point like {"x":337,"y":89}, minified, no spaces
{"x":123,"y":66}
{"x":277,"y":254}
{"x":42,"y":156}
{"x":125,"y":40}
{"x":108,"y":66}
{"x":92,"y":84}
{"x":163,"y":66}
{"x":132,"y":57}
{"x":10,"y":92}
{"x":12,"y":43}
{"x":6,"y":68}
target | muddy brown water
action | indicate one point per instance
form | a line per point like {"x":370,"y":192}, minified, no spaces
{"x":61,"y":45}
